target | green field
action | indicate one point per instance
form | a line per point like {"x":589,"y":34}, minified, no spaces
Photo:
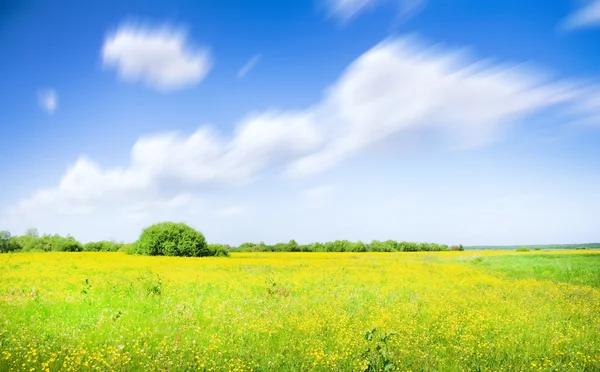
{"x":425,"y":311}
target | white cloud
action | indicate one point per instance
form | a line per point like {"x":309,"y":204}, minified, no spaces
{"x":161,"y":58}
{"x":586,"y":16}
{"x":346,"y":10}
{"x":158,"y":160}
{"x":48,"y":100}
{"x":400,"y":86}
{"x":403,"y":84}
{"x":249,"y":65}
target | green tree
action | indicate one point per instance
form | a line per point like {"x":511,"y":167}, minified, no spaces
{"x":102,"y":246}
{"x":172,"y":239}
{"x":292,"y":246}
{"x":7,"y":243}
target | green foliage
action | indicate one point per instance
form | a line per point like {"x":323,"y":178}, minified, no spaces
{"x":219,"y":250}
{"x":7,"y":243}
{"x":358,"y":247}
{"x":408,"y":247}
{"x":344,"y":246}
{"x":28,"y":243}
{"x":102,"y":246}
{"x":378,"y":353}
{"x":522,"y":249}
{"x":457,"y":248}
{"x":171,"y":239}
{"x":47,"y":243}
{"x":378,"y":246}
{"x":128,"y":248}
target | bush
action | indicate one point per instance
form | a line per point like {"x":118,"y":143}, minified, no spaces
{"x":408,"y":247}
{"x":28,"y":243}
{"x":102,"y":246}
{"x":47,"y":243}
{"x":218,"y":250}
{"x":128,"y":248}
{"x":57,"y":243}
{"x":171,"y":239}
{"x":522,"y":249}
{"x":8,"y":243}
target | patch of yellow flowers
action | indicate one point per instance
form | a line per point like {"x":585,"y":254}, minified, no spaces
{"x":289,"y":312}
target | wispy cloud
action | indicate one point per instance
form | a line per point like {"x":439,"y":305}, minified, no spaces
{"x":249,"y":65}
{"x":400,"y":86}
{"x":162,"y":57}
{"x":587,"y":15}
{"x":48,"y":100}
{"x":346,"y":10}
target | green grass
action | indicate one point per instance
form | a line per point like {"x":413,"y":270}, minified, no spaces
{"x":567,"y":268}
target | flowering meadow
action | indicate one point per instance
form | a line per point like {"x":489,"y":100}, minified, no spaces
{"x":421,"y":311}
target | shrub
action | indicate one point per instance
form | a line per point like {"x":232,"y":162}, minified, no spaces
{"x":28,"y":243}
{"x":358,"y":247}
{"x":172,"y":239}
{"x":379,"y":246}
{"x":457,"y":248}
{"x":102,"y":246}
{"x":8,"y":243}
{"x":408,"y":247}
{"x":57,"y":243}
{"x":292,"y":246}
{"x":128,"y":248}
{"x":48,"y":243}
{"x":218,"y":250}
{"x":522,"y":249}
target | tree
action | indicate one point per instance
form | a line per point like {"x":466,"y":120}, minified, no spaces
{"x":102,"y":246}
{"x":292,"y":246}
{"x":7,"y":243}
{"x":172,"y":239}
{"x":33,"y":232}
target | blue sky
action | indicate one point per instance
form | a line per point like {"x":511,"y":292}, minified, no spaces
{"x":455,"y":122}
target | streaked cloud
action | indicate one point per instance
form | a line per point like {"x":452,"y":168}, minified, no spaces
{"x":252,"y":62}
{"x":346,"y":10}
{"x":588,"y":15}
{"x":402,"y":85}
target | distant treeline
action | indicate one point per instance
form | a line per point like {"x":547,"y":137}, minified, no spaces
{"x":345,"y":246}
{"x":32,"y":242}
{"x":534,"y":247}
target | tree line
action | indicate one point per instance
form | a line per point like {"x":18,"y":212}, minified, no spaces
{"x":346,"y":246}
{"x":174,"y":239}
{"x":31,"y":241}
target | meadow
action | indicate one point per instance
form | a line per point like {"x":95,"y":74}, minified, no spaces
{"x":421,"y":311}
